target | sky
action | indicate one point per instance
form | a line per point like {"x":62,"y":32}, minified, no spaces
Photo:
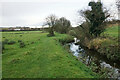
{"x":33,"y":12}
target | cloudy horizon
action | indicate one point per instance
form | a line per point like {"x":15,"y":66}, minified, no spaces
{"x":33,"y":12}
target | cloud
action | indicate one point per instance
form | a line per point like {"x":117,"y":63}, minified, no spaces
{"x":34,"y":12}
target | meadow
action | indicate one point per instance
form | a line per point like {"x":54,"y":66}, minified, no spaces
{"x":112,"y":31}
{"x":41,"y":57}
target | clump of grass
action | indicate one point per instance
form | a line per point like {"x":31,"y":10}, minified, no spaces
{"x":50,"y":35}
{"x":19,"y":40}
{"x":2,"y":45}
{"x":27,"y":53}
{"x":20,"y":35}
{"x":15,"y":60}
{"x":22,"y":44}
{"x":32,"y":42}
{"x":68,"y":39}
{"x":11,"y":42}
{"x":5,"y":41}
{"x":95,"y":43}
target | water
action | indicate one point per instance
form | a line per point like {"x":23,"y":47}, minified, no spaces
{"x":88,"y":57}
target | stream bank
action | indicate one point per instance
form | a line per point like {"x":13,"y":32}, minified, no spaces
{"x":98,"y":63}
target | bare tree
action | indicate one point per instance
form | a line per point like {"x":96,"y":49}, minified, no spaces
{"x":62,"y":25}
{"x":51,"y":21}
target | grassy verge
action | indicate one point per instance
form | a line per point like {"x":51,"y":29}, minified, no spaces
{"x":107,"y":44}
{"x":42,"y":57}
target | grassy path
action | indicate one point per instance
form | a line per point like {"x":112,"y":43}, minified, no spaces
{"x":43,"y":57}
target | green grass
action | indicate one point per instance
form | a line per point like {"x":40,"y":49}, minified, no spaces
{"x":112,"y":31}
{"x":46,"y":58}
{"x":112,"y":34}
{"x":107,"y":43}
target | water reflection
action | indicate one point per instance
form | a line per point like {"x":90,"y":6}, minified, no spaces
{"x":87,"y":57}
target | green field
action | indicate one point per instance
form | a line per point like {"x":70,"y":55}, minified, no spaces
{"x":112,"y":31}
{"x":42,"y":57}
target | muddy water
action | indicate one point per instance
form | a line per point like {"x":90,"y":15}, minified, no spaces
{"x":89,"y":57}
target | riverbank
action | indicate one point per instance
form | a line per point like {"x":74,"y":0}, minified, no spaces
{"x":104,"y":50}
{"x":107,"y":44}
{"x":42,"y":57}
{"x":98,"y":63}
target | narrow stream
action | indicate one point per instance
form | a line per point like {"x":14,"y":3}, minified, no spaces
{"x":88,"y":57}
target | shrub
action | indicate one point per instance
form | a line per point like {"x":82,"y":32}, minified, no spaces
{"x":72,"y":33}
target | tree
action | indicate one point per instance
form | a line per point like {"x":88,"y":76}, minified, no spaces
{"x":62,"y":25}
{"x":51,"y":21}
{"x":95,"y":17}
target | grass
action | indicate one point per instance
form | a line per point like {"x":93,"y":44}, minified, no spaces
{"x":45,"y":58}
{"x":112,"y":31}
{"x":107,"y":43}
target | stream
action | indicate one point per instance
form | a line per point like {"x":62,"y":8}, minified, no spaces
{"x":90,"y":57}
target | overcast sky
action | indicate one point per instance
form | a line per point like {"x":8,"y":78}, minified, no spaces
{"x":34,"y":12}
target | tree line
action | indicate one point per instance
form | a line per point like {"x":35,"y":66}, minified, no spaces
{"x":60,"y":25}
{"x":95,"y":19}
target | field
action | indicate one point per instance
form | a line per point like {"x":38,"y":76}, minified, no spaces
{"x":112,"y":31}
{"x":42,"y":57}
